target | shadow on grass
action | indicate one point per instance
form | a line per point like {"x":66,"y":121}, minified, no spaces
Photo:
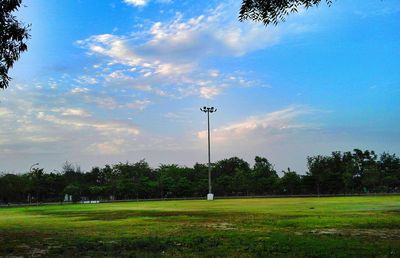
{"x":106,"y":215}
{"x":215,"y":245}
{"x":126,"y":214}
{"x":392,"y":212}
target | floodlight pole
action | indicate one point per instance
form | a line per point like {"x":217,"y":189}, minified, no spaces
{"x":36,"y":164}
{"x":30,"y":171}
{"x":209,"y":110}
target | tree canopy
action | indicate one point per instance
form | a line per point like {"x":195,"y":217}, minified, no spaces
{"x":13,"y":37}
{"x":273,"y":11}
{"x":339,"y":173}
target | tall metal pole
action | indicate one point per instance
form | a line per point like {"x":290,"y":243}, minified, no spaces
{"x":209,"y":110}
{"x":209,"y":155}
{"x":30,"y":171}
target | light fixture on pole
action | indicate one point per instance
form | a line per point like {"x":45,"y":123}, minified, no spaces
{"x":209,"y":110}
{"x":36,"y":164}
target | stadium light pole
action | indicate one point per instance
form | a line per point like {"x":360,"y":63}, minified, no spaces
{"x":30,"y":171}
{"x":209,"y":110}
{"x":36,"y":164}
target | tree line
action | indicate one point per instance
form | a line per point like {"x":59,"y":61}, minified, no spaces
{"x":339,"y":173}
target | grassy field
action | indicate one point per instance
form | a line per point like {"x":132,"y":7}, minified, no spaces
{"x":278,"y":227}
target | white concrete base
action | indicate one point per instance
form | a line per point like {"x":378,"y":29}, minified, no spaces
{"x":210,"y":197}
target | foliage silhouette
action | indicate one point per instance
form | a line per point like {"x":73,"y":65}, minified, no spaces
{"x":273,"y":11}
{"x":13,"y":37}
{"x":339,"y":173}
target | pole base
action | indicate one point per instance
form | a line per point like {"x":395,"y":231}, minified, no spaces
{"x":210,"y":197}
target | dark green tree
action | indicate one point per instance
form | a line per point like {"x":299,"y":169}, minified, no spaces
{"x":241,"y":182}
{"x":199,"y":178}
{"x":389,"y":166}
{"x":37,"y":179}
{"x":13,"y":188}
{"x":290,"y":182}
{"x":341,"y":172}
{"x":317,"y":166}
{"x":174,"y":181}
{"x":13,"y":38}
{"x":74,"y":190}
{"x":53,"y":186}
{"x":135,"y":180}
{"x":349,"y":169}
{"x":273,"y":11}
{"x":224,"y":172}
{"x":264,"y":177}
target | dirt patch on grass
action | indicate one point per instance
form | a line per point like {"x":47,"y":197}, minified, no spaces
{"x":39,"y":252}
{"x":328,"y":231}
{"x":390,"y":234}
{"x":125,"y":214}
{"x":382,"y":234}
{"x":220,"y":226}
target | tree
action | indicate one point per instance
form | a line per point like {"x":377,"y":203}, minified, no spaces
{"x":290,"y":182}
{"x":73,"y":190}
{"x":135,"y":180}
{"x":390,"y":167}
{"x":241,"y":182}
{"x":13,"y":188}
{"x":317,"y":169}
{"x":13,"y":37}
{"x":264,"y":176}
{"x":37,"y":180}
{"x":273,"y":11}
{"x":223,"y":173}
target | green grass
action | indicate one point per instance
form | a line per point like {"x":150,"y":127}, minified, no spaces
{"x":277,"y":227}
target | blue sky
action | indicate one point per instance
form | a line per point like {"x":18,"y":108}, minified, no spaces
{"x":122,"y":80}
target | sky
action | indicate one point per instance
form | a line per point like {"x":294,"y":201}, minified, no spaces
{"x":123,"y":80}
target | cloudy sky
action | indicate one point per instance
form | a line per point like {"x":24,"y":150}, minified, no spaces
{"x":123,"y":80}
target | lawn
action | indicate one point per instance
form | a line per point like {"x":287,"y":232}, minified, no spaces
{"x":277,"y":227}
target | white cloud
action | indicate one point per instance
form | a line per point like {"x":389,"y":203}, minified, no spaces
{"x":75,"y":112}
{"x":269,"y":126}
{"x":112,"y":147}
{"x":172,"y":115}
{"x":17,"y":126}
{"x":141,"y":3}
{"x":5,"y":113}
{"x":35,"y":129}
{"x":119,"y":78}
{"x":172,"y":54}
{"x":78,"y":90}
{"x":136,"y":2}
{"x":213,"y":73}
{"x":104,"y":127}
{"x":138,"y":104}
{"x":84,"y":79}
{"x":209,"y":92}
{"x":102,"y":101}
{"x":215,"y":34}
